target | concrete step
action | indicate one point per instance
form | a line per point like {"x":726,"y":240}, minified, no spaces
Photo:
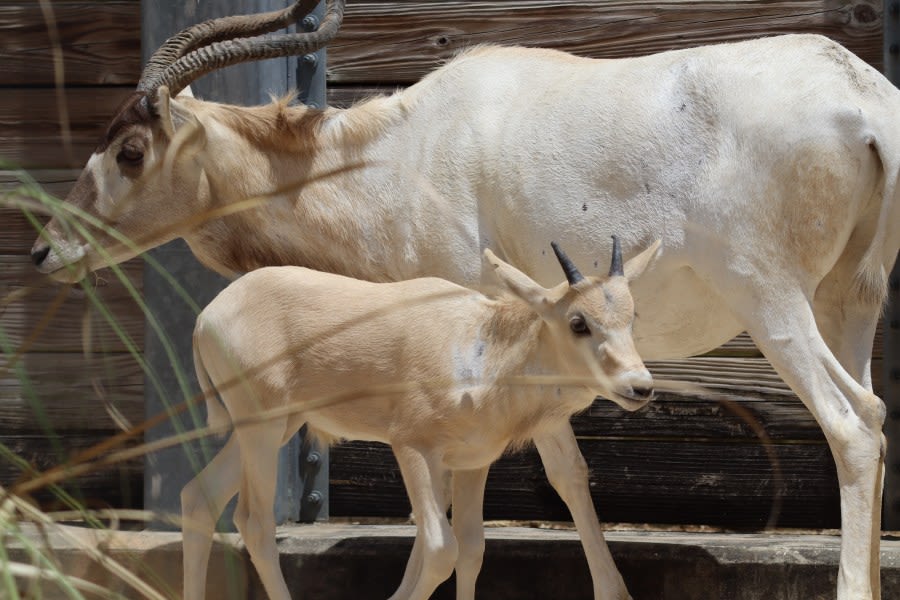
{"x":345,"y":561}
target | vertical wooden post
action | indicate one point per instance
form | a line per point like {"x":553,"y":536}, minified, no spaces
{"x":891,"y":374}
{"x":891,"y":371}
{"x":169,"y":355}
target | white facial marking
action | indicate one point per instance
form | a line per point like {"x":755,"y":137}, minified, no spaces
{"x":62,"y":253}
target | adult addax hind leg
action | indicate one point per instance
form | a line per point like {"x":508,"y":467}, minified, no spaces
{"x":848,"y":326}
{"x":780,"y":319}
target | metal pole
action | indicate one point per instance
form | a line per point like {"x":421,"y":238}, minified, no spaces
{"x":169,"y":355}
{"x":313,"y":460}
{"x":891,"y":371}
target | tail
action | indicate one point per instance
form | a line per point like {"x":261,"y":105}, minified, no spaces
{"x":216,"y":414}
{"x":871,"y":280}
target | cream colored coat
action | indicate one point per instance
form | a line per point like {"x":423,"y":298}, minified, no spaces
{"x":446,"y":376}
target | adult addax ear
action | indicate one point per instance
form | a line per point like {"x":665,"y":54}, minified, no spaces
{"x":173,"y":115}
{"x":518,"y":282}
{"x":636,"y":266}
{"x":184,"y":130}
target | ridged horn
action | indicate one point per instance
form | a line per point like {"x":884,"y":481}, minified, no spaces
{"x":615,"y":267}
{"x":573,"y":275}
{"x":217,"y":30}
{"x":227,"y":41}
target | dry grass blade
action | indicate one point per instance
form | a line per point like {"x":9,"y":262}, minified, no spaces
{"x":35,"y":515}
{"x":59,"y":77}
{"x":39,"y":329}
{"x":112,"y":410}
{"x":32,"y":572}
{"x":101,"y":455}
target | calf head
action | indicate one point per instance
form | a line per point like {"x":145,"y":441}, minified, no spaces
{"x":590,"y":321}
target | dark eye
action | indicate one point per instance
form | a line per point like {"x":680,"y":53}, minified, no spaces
{"x":578,"y":325}
{"x":130,"y":157}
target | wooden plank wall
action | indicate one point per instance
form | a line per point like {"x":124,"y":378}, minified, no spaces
{"x":681,"y":461}
{"x":49,"y":406}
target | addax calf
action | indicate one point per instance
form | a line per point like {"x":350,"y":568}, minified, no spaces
{"x":448,"y":377}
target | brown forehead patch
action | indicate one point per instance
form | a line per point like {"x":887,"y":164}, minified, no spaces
{"x":131,"y":112}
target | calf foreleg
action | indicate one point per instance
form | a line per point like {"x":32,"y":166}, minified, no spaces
{"x":568,"y":474}
{"x":424,"y":481}
{"x":414,"y":563}
{"x":468,"y":526}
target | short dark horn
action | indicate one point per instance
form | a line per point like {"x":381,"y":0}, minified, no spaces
{"x":573,"y":276}
{"x":615,"y":268}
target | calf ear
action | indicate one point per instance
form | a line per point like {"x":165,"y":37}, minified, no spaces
{"x":518,"y":282}
{"x":638,"y":264}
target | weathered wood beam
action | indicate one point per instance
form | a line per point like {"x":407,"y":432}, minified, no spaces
{"x":99,"y":42}
{"x":57,"y":393}
{"x":32,"y":134}
{"x":734,"y":485}
{"x":118,"y":486}
{"x":399,"y":42}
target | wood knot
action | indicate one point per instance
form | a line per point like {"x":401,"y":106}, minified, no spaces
{"x":864,"y":13}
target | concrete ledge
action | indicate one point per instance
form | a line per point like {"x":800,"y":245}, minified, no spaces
{"x":338,"y":562}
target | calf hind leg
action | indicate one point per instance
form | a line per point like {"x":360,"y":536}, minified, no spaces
{"x":202,"y":501}
{"x":255,"y":513}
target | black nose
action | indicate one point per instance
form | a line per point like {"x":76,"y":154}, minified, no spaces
{"x":642,"y":392}
{"x":38,"y":255}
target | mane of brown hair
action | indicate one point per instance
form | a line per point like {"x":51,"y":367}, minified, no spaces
{"x":283,"y":126}
{"x":275,"y":126}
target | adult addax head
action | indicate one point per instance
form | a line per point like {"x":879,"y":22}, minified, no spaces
{"x":122,"y":203}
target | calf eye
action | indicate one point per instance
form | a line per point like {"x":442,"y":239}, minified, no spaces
{"x":578,"y":325}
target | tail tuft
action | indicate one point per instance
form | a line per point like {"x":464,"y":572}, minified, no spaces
{"x":870,"y":283}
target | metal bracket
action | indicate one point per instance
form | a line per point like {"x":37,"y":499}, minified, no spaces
{"x":314,"y":477}
{"x":311,"y":67}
